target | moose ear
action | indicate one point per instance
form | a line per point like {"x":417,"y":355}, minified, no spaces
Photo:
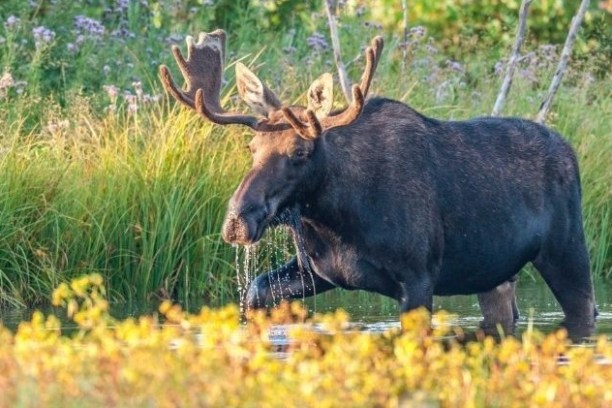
{"x":254,"y":92}
{"x":321,"y":95}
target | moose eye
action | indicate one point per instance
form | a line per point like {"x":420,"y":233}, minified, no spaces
{"x":299,"y":154}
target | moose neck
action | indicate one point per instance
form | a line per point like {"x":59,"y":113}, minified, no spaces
{"x":337,"y":170}
{"x":361,"y":165}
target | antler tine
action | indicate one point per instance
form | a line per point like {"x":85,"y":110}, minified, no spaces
{"x":310,"y":131}
{"x":350,"y":114}
{"x":221,"y":117}
{"x":315,"y":126}
{"x":353,"y":111}
{"x":313,"y":121}
{"x":172,"y":89}
{"x":373,"y":53}
{"x":202,"y":71}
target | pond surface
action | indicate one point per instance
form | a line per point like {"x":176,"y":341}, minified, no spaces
{"x":375,"y":313}
{"x":535,"y":301}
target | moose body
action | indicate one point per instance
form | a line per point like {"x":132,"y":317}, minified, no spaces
{"x":414,"y":207}
{"x":384,"y":199}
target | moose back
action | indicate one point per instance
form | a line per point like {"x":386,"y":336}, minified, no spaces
{"x":387,"y":200}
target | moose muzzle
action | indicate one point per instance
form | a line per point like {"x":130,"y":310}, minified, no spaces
{"x":245,"y":226}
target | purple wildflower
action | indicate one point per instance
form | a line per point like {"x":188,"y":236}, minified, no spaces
{"x":174,"y":39}
{"x":11,"y":22}
{"x":72,"y":48}
{"x":430,"y":49}
{"x":42,"y":36}
{"x":151,"y":98}
{"x":454,"y":66}
{"x":123,"y":32}
{"x":137,"y":85}
{"x":89,"y":26}
{"x":417,"y":32}
{"x":132,"y":101}
{"x":121,"y":6}
{"x":317,"y":42}
{"x":112,"y":91}
{"x":6,"y":81}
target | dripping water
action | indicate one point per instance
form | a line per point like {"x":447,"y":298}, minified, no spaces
{"x":277,"y":255}
{"x":270,"y":253}
{"x":246,"y":267}
{"x":276,"y":251}
{"x":238,"y":269}
{"x":295,"y":224}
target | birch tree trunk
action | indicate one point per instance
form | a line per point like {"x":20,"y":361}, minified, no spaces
{"x":565,"y":56}
{"x":514,"y":58}
{"x":345,"y":83}
{"x":405,"y":34}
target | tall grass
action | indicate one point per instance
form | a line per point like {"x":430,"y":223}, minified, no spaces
{"x":136,"y":187}
{"x":139,"y":200}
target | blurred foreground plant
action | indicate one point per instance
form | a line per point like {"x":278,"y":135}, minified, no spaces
{"x":210,"y":359}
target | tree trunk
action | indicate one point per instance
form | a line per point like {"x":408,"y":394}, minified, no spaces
{"x":565,"y":56}
{"x":514,"y":58}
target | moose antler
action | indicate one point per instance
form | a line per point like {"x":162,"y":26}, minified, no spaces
{"x":202,"y":71}
{"x":373,"y":53}
{"x":316,"y":126}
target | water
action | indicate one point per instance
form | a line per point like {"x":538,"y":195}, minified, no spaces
{"x":376,"y":314}
{"x":368,"y":311}
{"x":535,"y":301}
{"x":246,"y":268}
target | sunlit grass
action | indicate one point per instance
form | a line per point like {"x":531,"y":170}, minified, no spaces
{"x":139,"y":199}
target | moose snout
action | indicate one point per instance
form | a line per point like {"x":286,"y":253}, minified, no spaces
{"x":244,"y":226}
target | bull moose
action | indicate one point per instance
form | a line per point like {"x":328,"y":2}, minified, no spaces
{"x":384,"y":199}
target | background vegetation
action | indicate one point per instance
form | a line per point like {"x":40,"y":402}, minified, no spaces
{"x":101,"y":172}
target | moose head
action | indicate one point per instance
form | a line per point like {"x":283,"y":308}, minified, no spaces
{"x":286,"y":148}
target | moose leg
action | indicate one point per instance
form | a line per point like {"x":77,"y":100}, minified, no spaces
{"x":286,"y":282}
{"x":566,"y":271}
{"x":498,"y":307}
{"x":416,"y":294}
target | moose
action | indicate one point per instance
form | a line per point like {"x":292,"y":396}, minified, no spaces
{"x":382,"y":198}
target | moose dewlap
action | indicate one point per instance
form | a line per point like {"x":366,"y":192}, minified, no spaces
{"x":384,"y":199}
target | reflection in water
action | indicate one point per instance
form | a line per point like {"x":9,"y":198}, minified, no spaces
{"x":376,"y":313}
{"x":535,"y":301}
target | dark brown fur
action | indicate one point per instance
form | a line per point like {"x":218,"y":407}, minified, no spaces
{"x":408,"y":207}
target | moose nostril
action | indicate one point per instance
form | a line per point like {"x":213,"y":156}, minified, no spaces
{"x":254,"y":211}
{"x":248,"y":209}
